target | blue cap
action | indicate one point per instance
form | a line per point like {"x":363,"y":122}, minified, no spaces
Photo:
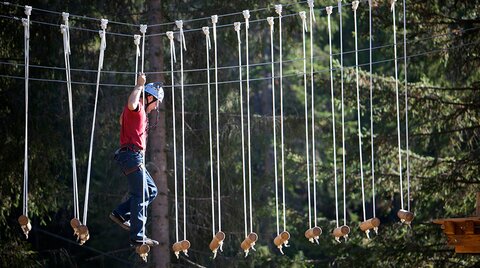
{"x":155,"y":89}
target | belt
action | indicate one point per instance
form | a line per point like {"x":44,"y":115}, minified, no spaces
{"x":131,"y":147}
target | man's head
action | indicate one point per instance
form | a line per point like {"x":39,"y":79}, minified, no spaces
{"x":153,"y":94}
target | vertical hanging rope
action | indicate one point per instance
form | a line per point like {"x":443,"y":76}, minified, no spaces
{"x":406,"y":100}
{"x":237,"y":29}
{"x":278,"y":9}
{"x":343,"y":117}
{"x":66,"y":48}
{"x":271,"y":22}
{"x":397,"y":100}
{"x":23,"y":219}
{"x":103,"y":46}
{"x":303,"y":16}
{"x":172,"y":61}
{"x":246,"y":15}
{"x":329,"y":12}
{"x":179,"y":24}
{"x":143,"y":30}
{"x":214,"y":22}
{"x":354,"y":7}
{"x":136,"y":41}
{"x":314,"y":172}
{"x":208,"y":46}
{"x":371,"y":108}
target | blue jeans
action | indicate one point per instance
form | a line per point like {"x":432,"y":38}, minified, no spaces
{"x":134,"y":208}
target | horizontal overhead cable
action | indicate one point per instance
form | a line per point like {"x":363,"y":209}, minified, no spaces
{"x":83,"y":17}
{"x":251,"y":79}
{"x":430,"y":37}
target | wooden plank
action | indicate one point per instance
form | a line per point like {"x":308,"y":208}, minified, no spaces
{"x":476,"y":220}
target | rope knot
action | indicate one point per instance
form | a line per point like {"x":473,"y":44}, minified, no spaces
{"x":271,"y":22}
{"x":355,"y":5}
{"x":237,"y":26}
{"x":136,"y":39}
{"x":206,"y":31}
{"x":63,"y":29}
{"x":25,"y":22}
{"x":278,"y":9}
{"x":392,"y":4}
{"x":329,"y":10}
{"x":172,"y":45}
{"x":65,"y":16}
{"x":214,"y":19}
{"x":179,"y":24}
{"x":303,"y":16}
{"x":28,"y":10}
{"x":143,"y":28}
{"x":170,"y":35}
{"x":246,"y":15}
{"x":310,"y":3}
{"x":103,"y":24}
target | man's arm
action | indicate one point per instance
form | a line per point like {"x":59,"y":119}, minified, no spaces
{"x":134,"y":97}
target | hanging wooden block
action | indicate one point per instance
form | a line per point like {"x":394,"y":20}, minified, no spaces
{"x":370,"y":224}
{"x":143,"y":251}
{"x":25,"y":224}
{"x":313,"y":234}
{"x":249,"y":243}
{"x":341,"y":231}
{"x":282,"y":240}
{"x":181,"y":246}
{"x":405,"y":216}
{"x":217,"y":243}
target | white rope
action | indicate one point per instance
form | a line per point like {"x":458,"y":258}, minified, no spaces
{"x":314,"y":171}
{"x":26,"y":25}
{"x":303,"y":16}
{"x":237,"y":29}
{"x":143,"y":29}
{"x":371,"y":109}
{"x":103,"y":46}
{"x":208,"y":46}
{"x":66,"y":48}
{"x":278,"y":10}
{"x":406,"y":100}
{"x":343,"y":117}
{"x":397,"y":99}
{"x":172,"y":61}
{"x":271,"y":22}
{"x":246,"y":15}
{"x":329,"y":13}
{"x":136,"y":41}
{"x":354,"y":7}
{"x":179,"y":24}
{"x":214,"y":22}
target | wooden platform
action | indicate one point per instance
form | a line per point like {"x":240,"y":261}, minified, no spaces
{"x":462,"y":233}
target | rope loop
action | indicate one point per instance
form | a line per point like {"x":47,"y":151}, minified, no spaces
{"x":312,"y":11}
{"x":303,"y":16}
{"x":179,"y":24}
{"x":271,"y":22}
{"x":237,"y":26}
{"x":278,"y":9}
{"x":246,"y":15}
{"x":355,"y":5}
{"x":172,"y":45}
{"x":206,"y":31}
{"x":28,"y":10}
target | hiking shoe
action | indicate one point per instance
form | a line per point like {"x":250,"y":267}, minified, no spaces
{"x":116,"y":218}
{"x":146,"y":241}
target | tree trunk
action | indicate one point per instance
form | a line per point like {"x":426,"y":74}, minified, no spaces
{"x":157,"y":141}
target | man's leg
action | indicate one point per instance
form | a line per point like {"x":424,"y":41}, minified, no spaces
{"x":152,"y":188}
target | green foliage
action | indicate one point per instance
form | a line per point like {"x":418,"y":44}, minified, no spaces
{"x":444,"y":123}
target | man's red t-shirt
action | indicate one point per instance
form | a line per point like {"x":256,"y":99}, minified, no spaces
{"x":133,"y":129}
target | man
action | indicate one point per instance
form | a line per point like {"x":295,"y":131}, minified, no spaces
{"x":133,"y":138}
